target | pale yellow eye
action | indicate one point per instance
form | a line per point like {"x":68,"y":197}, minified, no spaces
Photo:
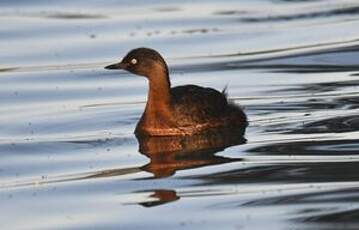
{"x":134,"y":61}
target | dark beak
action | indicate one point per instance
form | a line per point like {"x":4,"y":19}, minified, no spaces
{"x":119,"y":65}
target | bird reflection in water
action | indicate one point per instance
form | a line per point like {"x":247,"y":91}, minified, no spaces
{"x":160,"y":196}
{"x":169,"y":154}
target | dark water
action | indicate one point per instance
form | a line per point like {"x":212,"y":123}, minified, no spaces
{"x":69,"y":159}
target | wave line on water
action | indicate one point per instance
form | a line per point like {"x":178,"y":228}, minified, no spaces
{"x":305,"y":48}
{"x":53,"y":67}
{"x":71,"y":177}
{"x":275,"y":159}
{"x":329,"y":46}
{"x":264,"y":190}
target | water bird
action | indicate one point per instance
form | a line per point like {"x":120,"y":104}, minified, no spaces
{"x":181,"y":110}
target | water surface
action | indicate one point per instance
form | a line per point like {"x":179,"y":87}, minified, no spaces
{"x":70,"y":160}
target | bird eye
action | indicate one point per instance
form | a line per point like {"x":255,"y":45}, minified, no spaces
{"x":134,"y":61}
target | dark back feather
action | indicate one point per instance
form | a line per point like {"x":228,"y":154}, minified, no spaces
{"x":194,"y":104}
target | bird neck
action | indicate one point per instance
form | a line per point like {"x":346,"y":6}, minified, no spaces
{"x":159,"y":87}
{"x":157,"y":111}
{"x":159,"y":92}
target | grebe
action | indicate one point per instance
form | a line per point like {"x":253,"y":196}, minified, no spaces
{"x":178,"y":111}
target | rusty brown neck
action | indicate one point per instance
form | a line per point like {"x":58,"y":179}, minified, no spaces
{"x":157,"y":111}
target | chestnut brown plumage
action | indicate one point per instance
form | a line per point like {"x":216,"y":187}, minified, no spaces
{"x":181,"y":110}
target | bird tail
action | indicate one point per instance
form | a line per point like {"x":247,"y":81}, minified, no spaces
{"x":224,"y":91}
